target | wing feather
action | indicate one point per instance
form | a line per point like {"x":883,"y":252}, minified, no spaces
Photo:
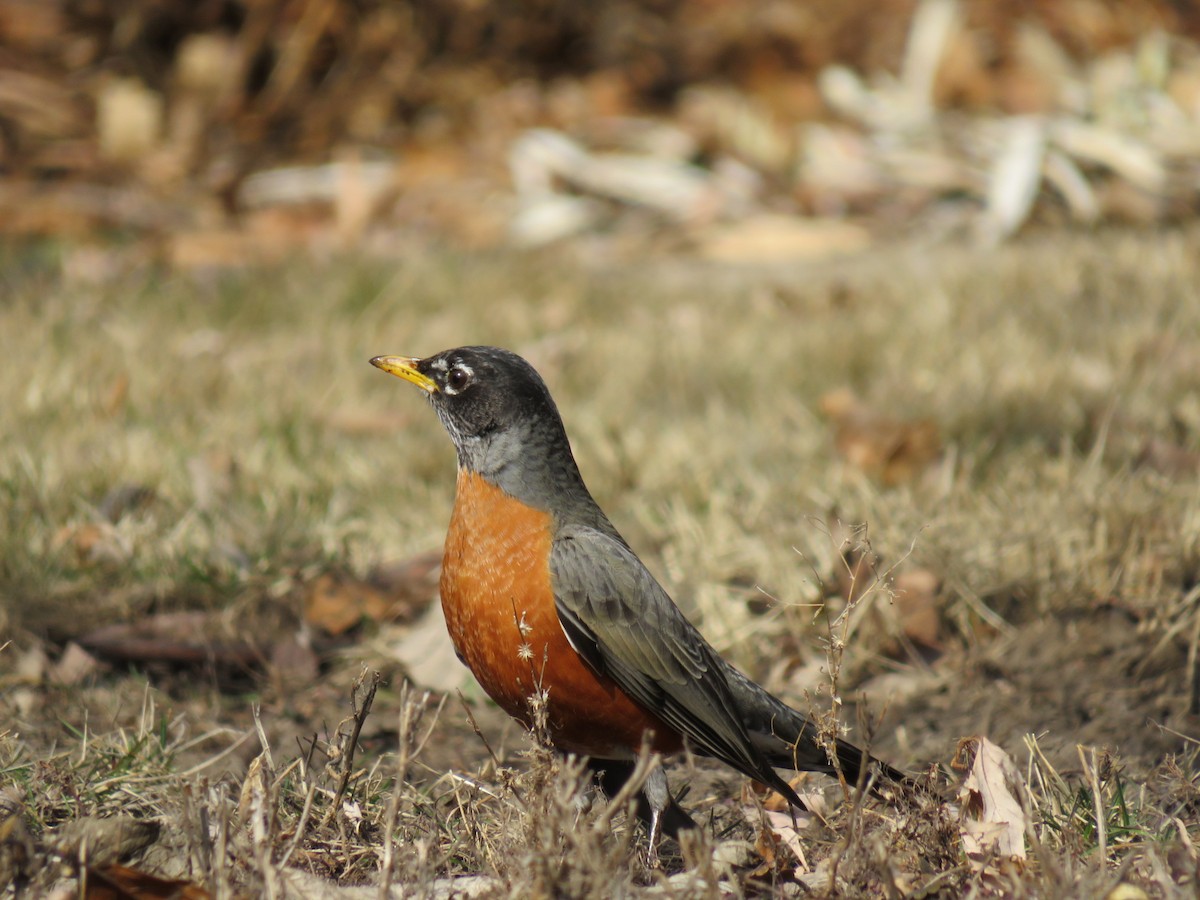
{"x":626,"y":627}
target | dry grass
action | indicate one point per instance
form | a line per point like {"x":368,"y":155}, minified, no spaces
{"x":1067,"y":550}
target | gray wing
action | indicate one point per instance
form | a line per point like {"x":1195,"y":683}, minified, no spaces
{"x":621,"y":621}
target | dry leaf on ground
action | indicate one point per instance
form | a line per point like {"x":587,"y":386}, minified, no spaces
{"x":783,"y":826}
{"x":890,"y":450}
{"x":121,"y":883}
{"x":993,"y":822}
{"x":335,"y":603}
{"x":428,"y":656}
{"x":74,"y":666}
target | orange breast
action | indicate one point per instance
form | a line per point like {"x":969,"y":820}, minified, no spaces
{"x":499,"y":606}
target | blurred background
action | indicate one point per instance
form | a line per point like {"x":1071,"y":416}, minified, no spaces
{"x":226,"y":132}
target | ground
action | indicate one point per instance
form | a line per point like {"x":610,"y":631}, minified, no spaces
{"x":943,"y":491}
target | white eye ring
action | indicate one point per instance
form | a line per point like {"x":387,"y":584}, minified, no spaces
{"x":458,"y":378}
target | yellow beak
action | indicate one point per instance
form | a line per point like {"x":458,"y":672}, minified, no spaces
{"x":405,"y":367}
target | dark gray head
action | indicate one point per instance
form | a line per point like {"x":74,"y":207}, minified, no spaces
{"x":502,"y":419}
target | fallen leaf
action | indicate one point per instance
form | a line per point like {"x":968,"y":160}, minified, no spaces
{"x":993,"y":822}
{"x":892,"y":451}
{"x":782,"y":832}
{"x":782,"y":822}
{"x":332,"y":605}
{"x":764,"y":845}
{"x":428,"y":656}
{"x":75,"y":665}
{"x":122,"y":883}
{"x":352,"y":810}
{"x":814,"y":801}
{"x":335,"y":603}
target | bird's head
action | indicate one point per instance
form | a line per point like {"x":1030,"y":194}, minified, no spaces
{"x":492,"y":402}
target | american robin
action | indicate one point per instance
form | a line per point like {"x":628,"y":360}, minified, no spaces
{"x":541,"y":593}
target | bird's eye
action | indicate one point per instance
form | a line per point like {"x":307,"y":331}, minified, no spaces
{"x":458,"y":378}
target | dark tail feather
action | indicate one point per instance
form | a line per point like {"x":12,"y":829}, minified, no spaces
{"x":787,"y":739}
{"x":861,"y":768}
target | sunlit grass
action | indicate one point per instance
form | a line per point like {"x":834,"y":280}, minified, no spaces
{"x":254,"y":445}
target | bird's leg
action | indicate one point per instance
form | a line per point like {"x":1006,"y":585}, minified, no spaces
{"x":655,"y":807}
{"x":657,"y":793}
{"x":652,"y":843}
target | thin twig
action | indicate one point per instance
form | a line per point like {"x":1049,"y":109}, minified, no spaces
{"x":647,"y":762}
{"x":475,"y":728}
{"x":360,"y":711}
